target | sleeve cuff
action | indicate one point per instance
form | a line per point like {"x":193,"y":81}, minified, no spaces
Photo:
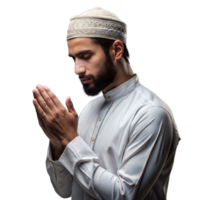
{"x":55,"y":163}
{"x":77,"y":152}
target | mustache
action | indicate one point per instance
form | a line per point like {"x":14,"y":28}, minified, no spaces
{"x":85,"y":77}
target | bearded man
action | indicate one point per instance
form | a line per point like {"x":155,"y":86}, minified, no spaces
{"x":123,"y":143}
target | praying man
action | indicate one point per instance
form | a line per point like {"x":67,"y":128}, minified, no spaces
{"x":123,"y":143}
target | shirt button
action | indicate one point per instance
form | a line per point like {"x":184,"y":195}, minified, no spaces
{"x":100,"y":118}
{"x":93,"y":138}
{"x":49,"y":160}
{"x":108,"y":97}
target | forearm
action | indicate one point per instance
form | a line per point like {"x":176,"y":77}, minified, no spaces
{"x":61,"y":180}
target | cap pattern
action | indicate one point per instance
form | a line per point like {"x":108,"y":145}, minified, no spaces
{"x":97,"y":23}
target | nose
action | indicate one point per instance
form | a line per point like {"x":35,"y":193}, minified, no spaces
{"x":79,"y":67}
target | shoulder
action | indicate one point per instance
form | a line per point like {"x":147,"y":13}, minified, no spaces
{"x":151,"y":122}
{"x":158,"y":112}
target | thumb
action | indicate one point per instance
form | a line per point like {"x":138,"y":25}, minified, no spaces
{"x":70,"y":105}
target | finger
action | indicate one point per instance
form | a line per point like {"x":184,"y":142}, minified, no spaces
{"x":35,"y":86}
{"x":33,"y":99}
{"x":32,"y":105}
{"x":54,"y":97}
{"x":35,"y":113}
{"x":37,"y":117}
{"x":32,"y":93}
{"x":37,"y":104}
{"x":38,"y":121}
{"x":46,"y":97}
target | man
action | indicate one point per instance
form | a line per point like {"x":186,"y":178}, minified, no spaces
{"x":123,"y":144}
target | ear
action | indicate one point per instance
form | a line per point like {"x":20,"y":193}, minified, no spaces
{"x":118,"y":49}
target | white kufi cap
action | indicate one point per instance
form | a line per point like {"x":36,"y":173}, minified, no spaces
{"x":99,"y":23}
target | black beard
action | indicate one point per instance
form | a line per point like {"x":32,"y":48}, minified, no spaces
{"x":105,"y":77}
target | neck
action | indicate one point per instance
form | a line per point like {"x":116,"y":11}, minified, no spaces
{"x":125,"y":68}
{"x":125,"y":73}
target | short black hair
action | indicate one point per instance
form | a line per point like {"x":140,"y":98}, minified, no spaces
{"x":107,"y":43}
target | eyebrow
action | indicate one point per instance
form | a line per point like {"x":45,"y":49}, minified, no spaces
{"x":81,"y":52}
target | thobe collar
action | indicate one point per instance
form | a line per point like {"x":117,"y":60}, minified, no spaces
{"x":122,"y":90}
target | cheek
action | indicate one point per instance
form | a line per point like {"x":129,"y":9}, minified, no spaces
{"x":97,"y":62}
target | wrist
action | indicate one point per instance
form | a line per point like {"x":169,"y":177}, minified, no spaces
{"x":56,"y":150}
{"x":66,"y":142}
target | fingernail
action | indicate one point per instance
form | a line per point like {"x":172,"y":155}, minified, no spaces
{"x":45,"y":87}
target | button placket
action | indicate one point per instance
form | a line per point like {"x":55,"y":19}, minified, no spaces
{"x":101,"y":124}
{"x":98,"y":123}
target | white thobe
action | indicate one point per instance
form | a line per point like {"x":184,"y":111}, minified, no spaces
{"x":125,"y":148}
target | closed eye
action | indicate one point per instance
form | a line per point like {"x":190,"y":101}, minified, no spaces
{"x":86,"y":57}
{"x":83,"y":57}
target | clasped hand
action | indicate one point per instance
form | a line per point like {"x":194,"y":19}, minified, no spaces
{"x":58,"y":124}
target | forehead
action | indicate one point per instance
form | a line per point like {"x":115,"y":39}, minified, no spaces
{"x":82,"y":43}
{"x":76,"y":46}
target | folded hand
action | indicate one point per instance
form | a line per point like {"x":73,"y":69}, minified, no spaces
{"x":60,"y":123}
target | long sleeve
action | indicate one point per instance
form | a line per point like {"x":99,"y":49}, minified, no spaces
{"x":150,"y":139}
{"x":60,"y":178}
